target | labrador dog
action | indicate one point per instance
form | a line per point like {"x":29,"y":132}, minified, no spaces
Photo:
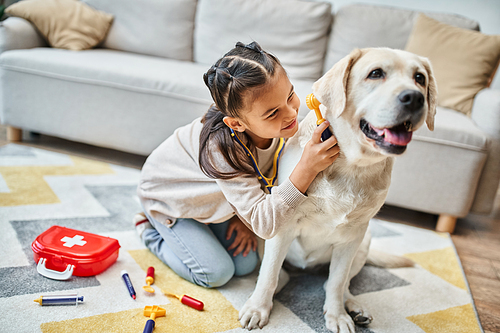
{"x":374,"y":99}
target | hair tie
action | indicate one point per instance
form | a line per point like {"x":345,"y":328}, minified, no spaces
{"x":252,"y":46}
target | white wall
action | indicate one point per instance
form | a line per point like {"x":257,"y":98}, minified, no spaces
{"x":486,"y":12}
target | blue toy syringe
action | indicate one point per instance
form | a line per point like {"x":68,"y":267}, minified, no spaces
{"x":68,"y":299}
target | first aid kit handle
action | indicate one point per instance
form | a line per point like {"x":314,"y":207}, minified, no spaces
{"x":51,"y":274}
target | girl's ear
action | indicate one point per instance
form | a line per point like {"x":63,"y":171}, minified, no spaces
{"x":234,"y":123}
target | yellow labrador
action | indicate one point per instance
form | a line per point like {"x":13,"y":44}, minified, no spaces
{"x":374,"y":100}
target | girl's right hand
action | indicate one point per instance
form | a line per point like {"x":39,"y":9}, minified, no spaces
{"x":316,"y":157}
{"x":319,"y":155}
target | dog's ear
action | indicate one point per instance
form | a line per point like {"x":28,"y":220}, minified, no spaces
{"x":331,"y":88}
{"x":432,"y":94}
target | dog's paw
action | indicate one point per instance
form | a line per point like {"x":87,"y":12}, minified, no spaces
{"x":358,"y":312}
{"x":361,"y":318}
{"x":339,"y":323}
{"x":255,"y":314}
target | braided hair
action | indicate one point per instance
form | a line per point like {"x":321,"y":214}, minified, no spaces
{"x":229,"y":80}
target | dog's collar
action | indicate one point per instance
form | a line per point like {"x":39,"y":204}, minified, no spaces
{"x":268,"y":181}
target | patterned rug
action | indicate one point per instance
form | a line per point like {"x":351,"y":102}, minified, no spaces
{"x":39,"y":189}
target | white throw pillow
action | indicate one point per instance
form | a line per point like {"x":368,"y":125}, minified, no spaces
{"x":162,"y":28}
{"x":295,"y":31}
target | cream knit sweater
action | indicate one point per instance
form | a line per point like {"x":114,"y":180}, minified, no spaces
{"x":173,"y":186}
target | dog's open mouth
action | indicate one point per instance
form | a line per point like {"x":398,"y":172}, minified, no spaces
{"x":393,"y":140}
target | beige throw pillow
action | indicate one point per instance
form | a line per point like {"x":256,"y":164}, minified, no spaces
{"x":65,"y":24}
{"x":464,"y":61}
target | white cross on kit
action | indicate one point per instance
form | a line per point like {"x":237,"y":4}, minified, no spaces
{"x":76,"y":240}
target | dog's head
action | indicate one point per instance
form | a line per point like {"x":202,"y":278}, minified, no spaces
{"x":382,"y":95}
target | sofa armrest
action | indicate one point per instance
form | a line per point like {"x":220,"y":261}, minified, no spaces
{"x":486,"y":115}
{"x":17,"y":33}
{"x":486,"y":111}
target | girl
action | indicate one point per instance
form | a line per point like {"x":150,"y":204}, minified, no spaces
{"x":204,"y":190}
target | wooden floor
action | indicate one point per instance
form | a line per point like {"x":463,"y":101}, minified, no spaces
{"x":477,"y":238}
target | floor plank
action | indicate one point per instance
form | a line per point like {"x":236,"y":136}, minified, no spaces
{"x":489,"y":315}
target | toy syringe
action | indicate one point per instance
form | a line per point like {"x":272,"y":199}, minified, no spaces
{"x":187,"y":300}
{"x":68,"y":299}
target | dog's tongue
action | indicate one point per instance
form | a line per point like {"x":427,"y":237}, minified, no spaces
{"x":400,"y":138}
{"x":396,"y":136}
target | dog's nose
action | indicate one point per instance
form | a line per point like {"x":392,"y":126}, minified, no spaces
{"x":411,"y":99}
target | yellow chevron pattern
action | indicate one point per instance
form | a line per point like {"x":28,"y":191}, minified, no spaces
{"x":459,"y":319}
{"x":28,"y":187}
{"x":443,"y":263}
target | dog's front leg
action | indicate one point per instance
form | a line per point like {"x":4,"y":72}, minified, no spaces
{"x":255,"y":313}
{"x":337,"y":319}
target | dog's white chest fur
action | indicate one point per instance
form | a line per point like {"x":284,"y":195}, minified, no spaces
{"x":340,"y":201}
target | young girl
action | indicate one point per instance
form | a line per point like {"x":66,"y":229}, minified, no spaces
{"x":204,"y":190}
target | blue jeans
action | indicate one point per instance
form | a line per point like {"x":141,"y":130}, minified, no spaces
{"x":198,"y":252}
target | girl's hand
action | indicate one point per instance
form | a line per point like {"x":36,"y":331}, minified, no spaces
{"x":245,"y":239}
{"x":319,"y":155}
{"x":316,"y":157}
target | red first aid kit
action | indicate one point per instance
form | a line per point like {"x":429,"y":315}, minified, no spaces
{"x":62,"y":252}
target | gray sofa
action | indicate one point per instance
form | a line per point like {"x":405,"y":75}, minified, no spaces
{"x":145,"y":80}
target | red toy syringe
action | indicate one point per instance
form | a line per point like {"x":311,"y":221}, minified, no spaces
{"x":187,"y":300}
{"x":150,"y":279}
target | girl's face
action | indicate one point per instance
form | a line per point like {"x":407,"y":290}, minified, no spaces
{"x":272,"y":114}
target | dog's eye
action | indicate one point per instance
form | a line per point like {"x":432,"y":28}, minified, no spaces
{"x":376,"y":74}
{"x":420,"y":79}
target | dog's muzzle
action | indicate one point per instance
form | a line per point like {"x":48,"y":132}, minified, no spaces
{"x":392,"y":140}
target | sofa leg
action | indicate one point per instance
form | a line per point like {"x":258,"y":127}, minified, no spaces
{"x":446,"y":223}
{"x":14,"y":134}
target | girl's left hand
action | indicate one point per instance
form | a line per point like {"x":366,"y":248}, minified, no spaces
{"x":245,"y":239}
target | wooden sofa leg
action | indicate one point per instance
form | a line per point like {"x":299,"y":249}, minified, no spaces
{"x":14,"y":134}
{"x":446,"y":223}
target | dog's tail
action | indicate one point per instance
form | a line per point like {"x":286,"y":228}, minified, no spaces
{"x":386,"y":260}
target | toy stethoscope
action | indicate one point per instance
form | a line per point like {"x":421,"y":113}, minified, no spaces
{"x":313,"y":104}
{"x":268,"y":181}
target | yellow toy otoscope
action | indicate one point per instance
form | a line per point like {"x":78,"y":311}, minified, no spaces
{"x":313,"y":104}
{"x":152,"y":312}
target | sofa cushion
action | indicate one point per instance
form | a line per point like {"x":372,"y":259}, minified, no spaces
{"x":112,"y":68}
{"x":295,"y":31}
{"x":360,"y":26}
{"x":65,"y":24}
{"x":463,"y":61}
{"x":161,"y":28}
{"x":454,"y":129}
